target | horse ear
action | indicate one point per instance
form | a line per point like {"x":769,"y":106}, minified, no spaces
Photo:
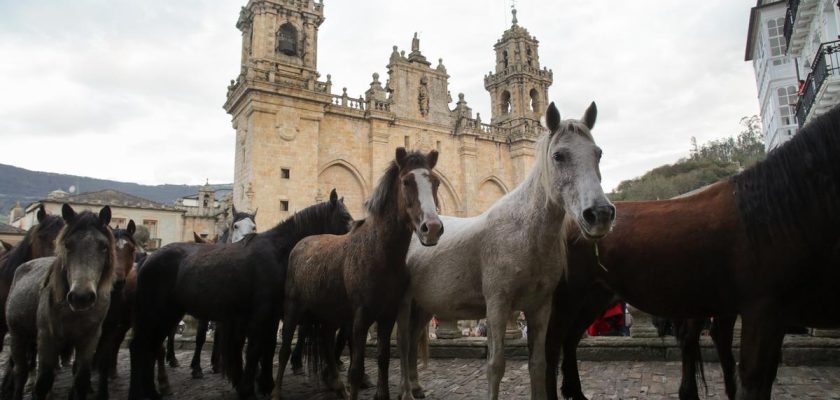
{"x":255,"y":212}
{"x":333,"y":197}
{"x":42,"y":214}
{"x":6,"y":246}
{"x":67,"y":213}
{"x":105,"y":215}
{"x":131,"y":228}
{"x":552,"y":119}
{"x":400,"y":156}
{"x":197,"y":238}
{"x":590,"y":115}
{"x":234,"y":210}
{"x":432,"y":158}
{"x":341,"y":200}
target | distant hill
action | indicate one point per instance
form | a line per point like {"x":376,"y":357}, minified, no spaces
{"x":18,"y":184}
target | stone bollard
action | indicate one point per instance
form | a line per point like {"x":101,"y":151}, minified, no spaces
{"x":512,"y":331}
{"x":190,"y":326}
{"x":448,"y":329}
{"x":642,"y":324}
{"x":827,"y":333}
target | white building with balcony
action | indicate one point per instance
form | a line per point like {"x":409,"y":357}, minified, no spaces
{"x":775,"y":71}
{"x":811,"y":31}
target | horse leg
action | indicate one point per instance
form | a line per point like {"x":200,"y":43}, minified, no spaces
{"x":723,"y":329}
{"x":419,"y":338}
{"x":498,"y":314}
{"x":761,"y":344}
{"x":341,"y":341}
{"x":687,"y":333}
{"x":357,"y":349}
{"x":326,"y":347}
{"x":170,"y":349}
{"x":404,"y":344}
{"x":48,"y":354}
{"x":265,"y":381}
{"x":384,"y":327}
{"x":245,"y":386}
{"x":216,"y":353}
{"x":290,"y":322}
{"x":297,"y":354}
{"x":537,"y":327}
{"x":81,"y":377}
{"x":200,"y":337}
{"x":18,"y":366}
{"x":119,"y":337}
{"x":162,"y":376}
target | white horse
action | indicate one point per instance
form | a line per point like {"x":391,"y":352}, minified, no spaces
{"x":512,"y":256}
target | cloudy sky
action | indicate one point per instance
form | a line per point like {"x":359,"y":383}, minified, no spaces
{"x":133,"y":90}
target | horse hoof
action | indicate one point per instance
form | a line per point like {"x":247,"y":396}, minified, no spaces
{"x":382,"y":396}
{"x":216,"y":369}
{"x":418,"y":393}
{"x":165,"y":390}
{"x":576,"y":397}
{"x":366,"y":382}
{"x":197,"y":374}
{"x":298,"y":371}
{"x":173,"y":363}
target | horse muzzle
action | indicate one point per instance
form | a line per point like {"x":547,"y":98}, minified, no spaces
{"x":430,"y":232}
{"x":81,"y":300}
{"x":597,"y":221}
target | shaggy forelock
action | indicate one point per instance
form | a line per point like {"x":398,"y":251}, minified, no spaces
{"x":379,"y":200}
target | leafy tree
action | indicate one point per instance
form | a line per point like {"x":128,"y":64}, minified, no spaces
{"x":706,"y":164}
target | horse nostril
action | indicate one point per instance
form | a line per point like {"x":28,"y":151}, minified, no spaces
{"x":589,"y":216}
{"x":424,"y":228}
{"x":81,"y":300}
{"x":612,"y":212}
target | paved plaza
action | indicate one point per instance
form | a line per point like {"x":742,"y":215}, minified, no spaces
{"x":465,"y":379}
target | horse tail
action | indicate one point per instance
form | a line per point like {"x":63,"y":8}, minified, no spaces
{"x":309,"y":334}
{"x":231,"y":340}
{"x":424,"y":345}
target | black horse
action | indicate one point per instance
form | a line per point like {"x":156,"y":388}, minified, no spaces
{"x":242,"y":224}
{"x":240,"y":284}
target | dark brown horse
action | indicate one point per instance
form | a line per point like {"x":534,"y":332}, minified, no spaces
{"x":240,"y":283}
{"x":38,"y":242}
{"x":763,"y":244}
{"x":118,"y":320}
{"x":360,"y":278}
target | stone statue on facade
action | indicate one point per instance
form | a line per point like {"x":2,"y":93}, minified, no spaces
{"x":423,"y":96}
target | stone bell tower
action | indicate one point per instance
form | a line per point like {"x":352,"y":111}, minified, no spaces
{"x":518,"y":88}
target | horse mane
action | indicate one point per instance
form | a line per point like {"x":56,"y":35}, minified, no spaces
{"x":21,"y":253}
{"x":795,"y":191}
{"x":299,"y":224}
{"x":381,"y":198}
{"x":84,"y":220}
{"x":542,"y":163}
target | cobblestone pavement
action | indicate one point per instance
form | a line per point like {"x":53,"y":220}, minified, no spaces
{"x":465,"y":379}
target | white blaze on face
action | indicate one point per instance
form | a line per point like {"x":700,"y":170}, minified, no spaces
{"x":242,"y":228}
{"x":425,"y":193}
{"x":121,"y":244}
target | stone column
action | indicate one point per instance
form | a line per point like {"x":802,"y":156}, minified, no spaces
{"x":448,"y":329}
{"x":467,"y":153}
{"x":642,"y":324}
{"x":522,"y":158}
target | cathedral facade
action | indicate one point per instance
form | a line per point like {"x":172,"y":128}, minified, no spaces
{"x":296,"y":139}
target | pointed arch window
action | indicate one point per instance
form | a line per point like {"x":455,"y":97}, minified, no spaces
{"x":287,"y":40}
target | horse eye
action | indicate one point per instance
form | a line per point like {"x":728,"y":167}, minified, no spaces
{"x":103,"y":248}
{"x":558,"y":156}
{"x":599,"y":153}
{"x":406,"y":183}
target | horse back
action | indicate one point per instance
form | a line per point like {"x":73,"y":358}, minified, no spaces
{"x":24,"y":295}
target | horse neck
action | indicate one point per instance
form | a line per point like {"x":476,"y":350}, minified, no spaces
{"x":534,"y":211}
{"x":392,"y":231}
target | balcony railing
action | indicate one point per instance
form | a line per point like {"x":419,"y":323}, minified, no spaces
{"x":790,"y":18}
{"x":826,"y":63}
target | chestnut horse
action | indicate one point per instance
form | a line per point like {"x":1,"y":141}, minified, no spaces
{"x":38,"y":242}
{"x":763,"y":244}
{"x":239,"y":283}
{"x":359,"y":278}
{"x":582,"y":297}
